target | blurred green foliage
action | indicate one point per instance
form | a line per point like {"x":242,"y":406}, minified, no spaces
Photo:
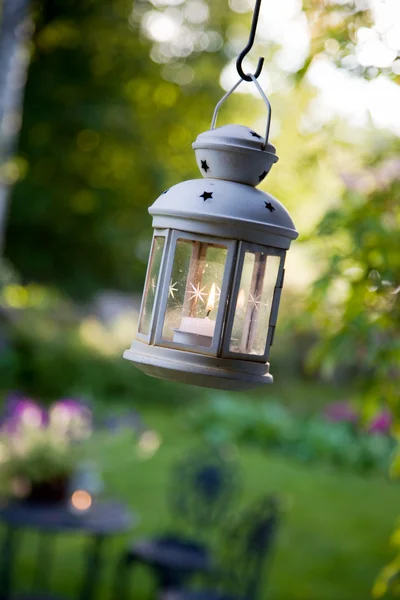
{"x":52,"y":351}
{"x":106,"y":129}
{"x":61,"y":365}
{"x":103,"y":135}
{"x":109,"y":116}
{"x":354,"y":302}
{"x":269,"y":425}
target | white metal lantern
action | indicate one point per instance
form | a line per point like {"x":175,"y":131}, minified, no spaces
{"x":216,"y":267}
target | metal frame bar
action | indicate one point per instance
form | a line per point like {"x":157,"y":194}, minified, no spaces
{"x":226,"y":342}
{"x":157,"y":233}
{"x":276,"y":298}
{"x":231,"y":246}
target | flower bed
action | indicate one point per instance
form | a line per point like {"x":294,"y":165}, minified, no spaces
{"x":41,"y":448}
{"x":336,"y":437}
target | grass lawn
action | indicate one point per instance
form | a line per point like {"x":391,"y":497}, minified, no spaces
{"x":333,"y":537}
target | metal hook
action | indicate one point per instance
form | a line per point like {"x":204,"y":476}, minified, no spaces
{"x":249,"y":46}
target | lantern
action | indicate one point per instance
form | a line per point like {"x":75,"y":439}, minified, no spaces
{"x":216,"y":267}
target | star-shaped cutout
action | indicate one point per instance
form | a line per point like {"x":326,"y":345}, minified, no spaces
{"x":197,"y":293}
{"x":206,"y":195}
{"x":204,"y":165}
{"x":254,"y":134}
{"x":255,"y":302}
{"x":172,"y":289}
{"x":262,"y":176}
{"x":269,"y":206}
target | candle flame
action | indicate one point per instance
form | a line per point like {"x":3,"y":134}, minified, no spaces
{"x":241,"y":299}
{"x":211,"y":300}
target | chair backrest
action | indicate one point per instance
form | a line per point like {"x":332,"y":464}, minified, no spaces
{"x":246,"y":547}
{"x":203,"y":486}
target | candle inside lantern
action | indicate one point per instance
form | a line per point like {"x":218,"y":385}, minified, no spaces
{"x":211,"y":300}
{"x":197,"y":331}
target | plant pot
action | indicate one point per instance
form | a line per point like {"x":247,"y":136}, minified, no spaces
{"x":54,"y":491}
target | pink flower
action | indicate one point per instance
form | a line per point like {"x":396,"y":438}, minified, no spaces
{"x":381,"y":423}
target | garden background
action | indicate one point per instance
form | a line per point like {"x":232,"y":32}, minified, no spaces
{"x":115,"y":94}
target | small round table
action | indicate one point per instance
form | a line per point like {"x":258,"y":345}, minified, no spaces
{"x":103,"y":520}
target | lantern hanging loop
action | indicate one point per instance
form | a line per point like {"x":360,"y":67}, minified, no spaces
{"x":248,"y":47}
{"x":252,"y":78}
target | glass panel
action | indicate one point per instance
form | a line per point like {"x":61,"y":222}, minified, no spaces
{"x":194,"y":291}
{"x":151,"y":285}
{"x":253,"y":306}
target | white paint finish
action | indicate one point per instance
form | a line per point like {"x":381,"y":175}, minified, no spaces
{"x":197,"y":369}
{"x":197,"y":325}
{"x":234,"y":153}
{"x":223,"y":208}
{"x":235,"y":210}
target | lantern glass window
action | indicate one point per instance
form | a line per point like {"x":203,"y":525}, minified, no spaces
{"x":254,"y":301}
{"x":194,"y":292}
{"x":150,"y":288}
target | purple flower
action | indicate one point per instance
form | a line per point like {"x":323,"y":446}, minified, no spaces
{"x":340,"y":412}
{"x":73,"y":407}
{"x":381,"y":423}
{"x":12,"y":400}
{"x":21,"y":411}
{"x":72,"y":416}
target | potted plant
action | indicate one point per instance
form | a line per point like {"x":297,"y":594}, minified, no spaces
{"x":40,"y":449}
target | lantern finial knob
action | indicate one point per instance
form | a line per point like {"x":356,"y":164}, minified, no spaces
{"x":235,"y":153}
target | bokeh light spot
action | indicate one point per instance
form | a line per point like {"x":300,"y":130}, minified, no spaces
{"x":16,"y":296}
{"x":166,"y":94}
{"x":81,"y":500}
{"x":149,"y":443}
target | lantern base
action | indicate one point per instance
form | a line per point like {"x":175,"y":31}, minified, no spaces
{"x":198,"y":369}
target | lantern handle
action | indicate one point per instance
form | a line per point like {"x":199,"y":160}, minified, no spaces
{"x":263,"y":96}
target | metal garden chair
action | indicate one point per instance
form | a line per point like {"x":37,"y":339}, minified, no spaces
{"x":201,"y":491}
{"x":246,"y":547}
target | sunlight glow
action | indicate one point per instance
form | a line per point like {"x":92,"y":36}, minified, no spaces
{"x":372,"y":51}
{"x":196,"y":11}
{"x":161,"y":26}
{"x":241,"y":6}
{"x":162,"y":3}
{"x":346,"y":95}
{"x":340,"y":93}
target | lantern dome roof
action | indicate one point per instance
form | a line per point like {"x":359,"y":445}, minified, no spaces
{"x":234,"y":152}
{"x":225,"y":209}
{"x":237,"y":137}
